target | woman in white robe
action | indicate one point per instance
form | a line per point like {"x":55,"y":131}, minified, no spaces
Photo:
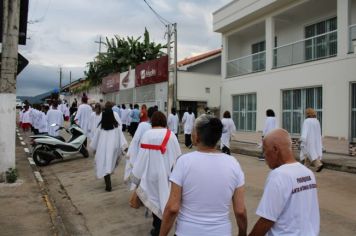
{"x":159,"y":150}
{"x":311,"y":141}
{"x":83,"y":116}
{"x":95,"y":119}
{"x":228,"y":130}
{"x":54,"y":116}
{"x":173,"y":121}
{"x":135,"y":145}
{"x":188,"y":121}
{"x":107,"y":146}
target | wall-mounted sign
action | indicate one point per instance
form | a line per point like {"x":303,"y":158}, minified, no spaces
{"x":152,"y":72}
{"x":127,"y":80}
{"x":111,"y":83}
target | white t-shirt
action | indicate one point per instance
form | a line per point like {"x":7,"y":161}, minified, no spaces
{"x":208,"y":182}
{"x":290,"y":199}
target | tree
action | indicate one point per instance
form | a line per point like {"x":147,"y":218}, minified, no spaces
{"x":121,"y":54}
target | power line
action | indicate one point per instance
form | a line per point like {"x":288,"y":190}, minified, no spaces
{"x":160,"y":18}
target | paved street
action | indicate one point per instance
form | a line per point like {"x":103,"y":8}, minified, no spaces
{"x":86,"y":209}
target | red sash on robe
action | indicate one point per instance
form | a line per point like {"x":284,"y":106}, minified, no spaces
{"x":161,"y":147}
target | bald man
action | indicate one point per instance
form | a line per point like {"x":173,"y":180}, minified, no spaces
{"x":289,"y":205}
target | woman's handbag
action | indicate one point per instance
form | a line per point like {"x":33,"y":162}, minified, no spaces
{"x":134,"y":200}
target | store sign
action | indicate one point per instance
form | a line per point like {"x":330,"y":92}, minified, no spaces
{"x":111,"y":83}
{"x":127,"y":80}
{"x":152,"y":72}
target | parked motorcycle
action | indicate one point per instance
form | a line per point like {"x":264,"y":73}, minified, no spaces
{"x":47,"y":148}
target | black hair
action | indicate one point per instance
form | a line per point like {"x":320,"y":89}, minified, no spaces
{"x":227,"y":114}
{"x":150,"y":112}
{"x":209,"y":130}
{"x":136,"y":106}
{"x":173,"y":110}
{"x":270,"y":113}
{"x":123,"y":106}
{"x":108,"y":121}
{"x":190,"y":110}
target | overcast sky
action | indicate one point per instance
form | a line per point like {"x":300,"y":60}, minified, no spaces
{"x":63,"y":33}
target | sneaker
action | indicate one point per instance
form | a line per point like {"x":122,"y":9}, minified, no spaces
{"x":190,"y":146}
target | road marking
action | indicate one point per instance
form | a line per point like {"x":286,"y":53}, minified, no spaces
{"x":23,"y":143}
{"x":21,"y":138}
{"x":38,"y":176}
{"x":27,"y":150}
{"x":31,"y":161}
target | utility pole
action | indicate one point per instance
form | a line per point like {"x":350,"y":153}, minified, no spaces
{"x":99,"y":42}
{"x":172,"y":68}
{"x":10,"y":39}
{"x":60,"y":79}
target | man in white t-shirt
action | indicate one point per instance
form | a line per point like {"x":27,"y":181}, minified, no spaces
{"x":204,"y":185}
{"x":289,"y":205}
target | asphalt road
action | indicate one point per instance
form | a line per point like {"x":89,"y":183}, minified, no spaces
{"x":86,"y":209}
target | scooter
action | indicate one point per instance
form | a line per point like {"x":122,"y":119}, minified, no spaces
{"x":47,"y":148}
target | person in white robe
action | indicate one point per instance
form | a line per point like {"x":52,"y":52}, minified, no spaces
{"x":159,"y":150}
{"x":83,"y":116}
{"x":26,"y":119}
{"x":311,"y":141}
{"x":54,"y":116}
{"x":270,"y":124}
{"x":173,"y":121}
{"x":107,"y":145}
{"x":188,"y":122}
{"x":95,"y":119}
{"x":125,"y":113}
{"x":135,"y":146}
{"x":228,"y":130}
{"x":43,"y":126}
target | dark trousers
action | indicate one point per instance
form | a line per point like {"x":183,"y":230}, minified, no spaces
{"x":188,"y":139}
{"x":226,"y":150}
{"x":123,"y":127}
{"x":156,"y":225}
{"x":133,"y":128}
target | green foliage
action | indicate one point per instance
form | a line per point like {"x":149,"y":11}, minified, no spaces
{"x":11,"y":175}
{"x":121,"y":54}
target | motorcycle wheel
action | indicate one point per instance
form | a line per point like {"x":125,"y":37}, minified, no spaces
{"x":84,"y":151}
{"x":37,"y":158}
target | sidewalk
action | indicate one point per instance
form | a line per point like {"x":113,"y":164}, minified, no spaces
{"x":335,"y":157}
{"x":23,"y":208}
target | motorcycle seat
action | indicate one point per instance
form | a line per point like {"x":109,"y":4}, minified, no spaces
{"x":59,"y":138}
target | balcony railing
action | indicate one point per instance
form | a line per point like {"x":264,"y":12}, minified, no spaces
{"x":305,"y":50}
{"x":245,"y":65}
{"x":352,"y":38}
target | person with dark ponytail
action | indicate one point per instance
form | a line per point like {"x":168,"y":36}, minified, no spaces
{"x":108,"y":144}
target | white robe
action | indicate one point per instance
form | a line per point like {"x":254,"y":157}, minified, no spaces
{"x":83,"y":117}
{"x":26,"y":117}
{"x":172,"y":123}
{"x":54,"y":117}
{"x":93,"y":124}
{"x":311,"y":140}
{"x":125,"y":116}
{"x":228,"y":129}
{"x":270,"y":124}
{"x":134,"y":148}
{"x":152,"y":170}
{"x":188,"y":121}
{"x":43,"y":126}
{"x":107,"y":144}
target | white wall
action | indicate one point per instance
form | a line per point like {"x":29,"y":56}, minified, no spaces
{"x":191,"y":87}
{"x":334,"y":75}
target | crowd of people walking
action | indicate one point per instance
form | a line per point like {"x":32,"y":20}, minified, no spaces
{"x":195,"y":189}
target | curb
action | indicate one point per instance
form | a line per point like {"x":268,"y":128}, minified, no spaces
{"x":58,"y":225}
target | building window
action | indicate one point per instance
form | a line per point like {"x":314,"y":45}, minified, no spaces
{"x":258,"y":60}
{"x":207,"y":90}
{"x":324,"y":45}
{"x":353,"y":111}
{"x":244,"y":112}
{"x":294,"y":104}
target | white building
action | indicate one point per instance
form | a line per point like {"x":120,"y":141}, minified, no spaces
{"x":288,"y":55}
{"x":199,"y":82}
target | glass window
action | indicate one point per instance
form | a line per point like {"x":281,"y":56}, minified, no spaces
{"x":294,"y":104}
{"x":353,"y":110}
{"x":244,"y":112}
{"x":258,"y":60}
{"x":324,"y":45}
